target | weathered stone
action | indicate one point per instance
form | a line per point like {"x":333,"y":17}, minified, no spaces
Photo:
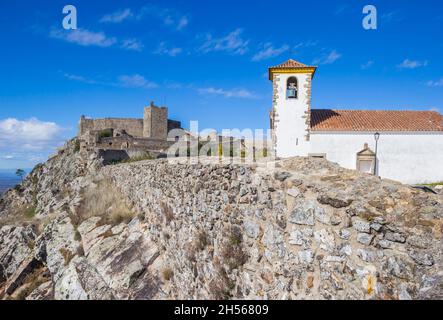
{"x":42,"y":292}
{"x":422,"y":257}
{"x":346,"y":250}
{"x":361,"y":225}
{"x":81,"y":281}
{"x":421,"y":242}
{"x":399,"y":267}
{"x":385,"y":244}
{"x":293,"y":192}
{"x":304,"y":213}
{"x":395,"y":237}
{"x":366,"y":255}
{"x":344,"y":234}
{"x":335,"y":200}
{"x":325,"y":238}
{"x":376,"y":227}
{"x":365,"y":238}
{"x":15,"y":247}
{"x":306,"y":256}
{"x":322,"y":216}
{"x":252,"y":229}
{"x":26,"y":267}
{"x":272,"y":236}
{"x":301,"y":237}
{"x":403,"y":292}
{"x":60,"y":243}
{"x":281,"y":176}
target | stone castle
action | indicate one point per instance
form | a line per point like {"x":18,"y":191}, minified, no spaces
{"x":147,"y":134}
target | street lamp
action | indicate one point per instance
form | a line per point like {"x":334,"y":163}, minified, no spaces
{"x":376,"y":137}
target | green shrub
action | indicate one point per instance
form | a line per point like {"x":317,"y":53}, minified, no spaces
{"x":77,"y":146}
{"x":106,"y":133}
{"x":30,"y":212}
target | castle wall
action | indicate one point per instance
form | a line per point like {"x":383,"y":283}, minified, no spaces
{"x":133,"y":127}
{"x":155,"y":123}
{"x":117,"y":143}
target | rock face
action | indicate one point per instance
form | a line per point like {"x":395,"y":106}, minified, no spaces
{"x":305,"y":230}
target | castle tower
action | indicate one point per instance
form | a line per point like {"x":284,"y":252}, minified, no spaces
{"x":291,"y":108}
{"x":155,"y":122}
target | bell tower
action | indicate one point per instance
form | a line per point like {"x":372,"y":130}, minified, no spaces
{"x":291,"y":108}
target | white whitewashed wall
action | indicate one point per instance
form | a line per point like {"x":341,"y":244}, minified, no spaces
{"x":290,"y":127}
{"x":405,"y":157}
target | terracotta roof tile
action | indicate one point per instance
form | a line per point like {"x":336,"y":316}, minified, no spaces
{"x":290,"y":64}
{"x":371,"y":120}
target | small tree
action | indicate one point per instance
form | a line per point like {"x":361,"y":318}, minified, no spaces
{"x":20,"y":173}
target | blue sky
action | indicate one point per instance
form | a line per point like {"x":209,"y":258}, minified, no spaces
{"x":206,"y":60}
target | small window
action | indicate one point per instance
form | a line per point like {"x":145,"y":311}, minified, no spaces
{"x":292,"y":88}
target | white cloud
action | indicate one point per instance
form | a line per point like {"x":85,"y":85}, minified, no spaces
{"x":132,"y":44}
{"x":117,"y":17}
{"x":136,"y":81}
{"x":83,"y":37}
{"x":367,"y":65}
{"x":164,"y":50}
{"x":234,"y":93}
{"x":307,"y":44}
{"x":269,"y":51}
{"x":30,"y":130}
{"x":182,"y":22}
{"x":78,"y":78}
{"x":231,"y":43}
{"x":412,"y":64}
{"x":327,"y":58}
{"x":124,"y":81}
{"x":437,"y":83}
{"x":25,"y":138}
{"x":170,"y":17}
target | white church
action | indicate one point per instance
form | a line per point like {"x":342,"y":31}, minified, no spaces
{"x":406,"y":146}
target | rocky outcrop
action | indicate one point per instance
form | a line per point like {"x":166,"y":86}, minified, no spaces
{"x":52,"y":186}
{"x":16,"y":246}
{"x":306,"y":229}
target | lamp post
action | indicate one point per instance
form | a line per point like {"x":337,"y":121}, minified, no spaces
{"x":376,"y":137}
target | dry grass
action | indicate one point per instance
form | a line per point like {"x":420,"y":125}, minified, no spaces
{"x":104,"y":200}
{"x":67,"y":255}
{"x":199,"y":243}
{"x":167,"y":212}
{"x":232,"y":251}
{"x":31,"y":282}
{"x":167,"y":273}
{"x":220,"y":287}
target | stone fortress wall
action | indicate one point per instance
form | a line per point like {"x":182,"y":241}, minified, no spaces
{"x":148,"y":134}
{"x":133,"y":127}
{"x":155,"y":123}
